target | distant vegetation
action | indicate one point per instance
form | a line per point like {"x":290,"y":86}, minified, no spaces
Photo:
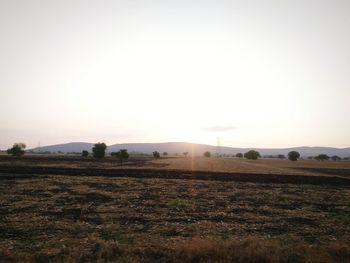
{"x":239,"y":155}
{"x":17,"y":149}
{"x":293,"y":155}
{"x":278,"y":156}
{"x":335,"y":158}
{"x":322,"y":157}
{"x":156,"y":154}
{"x":99,"y":150}
{"x":207,"y":154}
{"x":252,"y":155}
{"x":122,"y":155}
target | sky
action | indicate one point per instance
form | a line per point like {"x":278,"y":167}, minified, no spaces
{"x":250,"y":73}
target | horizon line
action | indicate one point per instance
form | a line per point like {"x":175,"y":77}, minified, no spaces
{"x":303,"y":146}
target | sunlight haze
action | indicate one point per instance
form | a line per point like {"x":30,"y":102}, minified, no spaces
{"x":252,"y":73}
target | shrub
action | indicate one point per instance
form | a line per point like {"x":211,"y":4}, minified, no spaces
{"x":322,"y":157}
{"x":207,"y":154}
{"x":293,"y":155}
{"x":239,"y":155}
{"x":85,"y":153}
{"x":122,"y":154}
{"x":17,"y":149}
{"x":335,"y":158}
{"x":99,"y":150}
{"x":252,"y":155}
{"x":281,"y":156}
{"x":156,"y":154}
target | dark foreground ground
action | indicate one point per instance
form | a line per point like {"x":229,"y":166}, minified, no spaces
{"x":46,"y":217}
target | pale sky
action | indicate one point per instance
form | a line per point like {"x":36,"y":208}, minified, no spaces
{"x":254,"y":73}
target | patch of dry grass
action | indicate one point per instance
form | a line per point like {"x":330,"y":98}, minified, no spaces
{"x":263,"y":166}
{"x":248,"y":250}
{"x":65,"y":216}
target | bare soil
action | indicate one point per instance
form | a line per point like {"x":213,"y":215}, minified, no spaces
{"x":56,"y":213}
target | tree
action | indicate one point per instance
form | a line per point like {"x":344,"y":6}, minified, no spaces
{"x":322,"y":157}
{"x":156,"y":154}
{"x":85,"y":153}
{"x":17,"y":149}
{"x":293,"y":156}
{"x":165,"y":153}
{"x":122,"y":154}
{"x":252,"y":155}
{"x":239,"y":155}
{"x":185,"y":153}
{"x":207,"y":154}
{"x":335,"y":158}
{"x":99,"y":150}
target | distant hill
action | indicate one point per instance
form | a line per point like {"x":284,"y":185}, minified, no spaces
{"x":192,"y":148}
{"x":65,"y":148}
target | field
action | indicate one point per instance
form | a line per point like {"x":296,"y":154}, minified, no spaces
{"x":62,"y":209}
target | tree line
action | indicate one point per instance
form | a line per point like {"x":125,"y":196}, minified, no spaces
{"x":99,"y":151}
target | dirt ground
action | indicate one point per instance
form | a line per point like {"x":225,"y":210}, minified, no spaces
{"x":43,"y":214}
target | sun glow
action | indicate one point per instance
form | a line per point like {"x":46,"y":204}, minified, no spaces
{"x":164,"y":71}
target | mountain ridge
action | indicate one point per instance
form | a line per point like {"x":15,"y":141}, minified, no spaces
{"x":192,"y":148}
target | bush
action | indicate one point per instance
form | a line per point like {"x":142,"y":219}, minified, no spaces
{"x":207,"y":154}
{"x":322,"y":157}
{"x":165,"y":153}
{"x":17,"y":149}
{"x":293,"y":155}
{"x":252,"y":155}
{"x":122,"y":154}
{"x":239,"y":155}
{"x":335,"y":158}
{"x":281,"y":156}
{"x":99,"y":150}
{"x":85,"y":153}
{"x":156,"y":154}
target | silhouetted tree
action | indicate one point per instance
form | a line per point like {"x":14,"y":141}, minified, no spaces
{"x":293,"y":155}
{"x":322,"y":157}
{"x":239,"y":155}
{"x":156,"y":154}
{"x":252,"y":155}
{"x":17,"y":149}
{"x":85,"y":153}
{"x":165,"y":153}
{"x":99,"y":150}
{"x":207,"y":154}
{"x":185,"y":153}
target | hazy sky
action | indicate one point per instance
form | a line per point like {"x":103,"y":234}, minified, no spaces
{"x":254,"y":73}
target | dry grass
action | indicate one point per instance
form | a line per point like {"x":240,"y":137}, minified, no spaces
{"x":53,"y":218}
{"x":231,"y":165}
{"x":93,"y":218}
{"x":263,"y":166}
{"x":248,"y":250}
